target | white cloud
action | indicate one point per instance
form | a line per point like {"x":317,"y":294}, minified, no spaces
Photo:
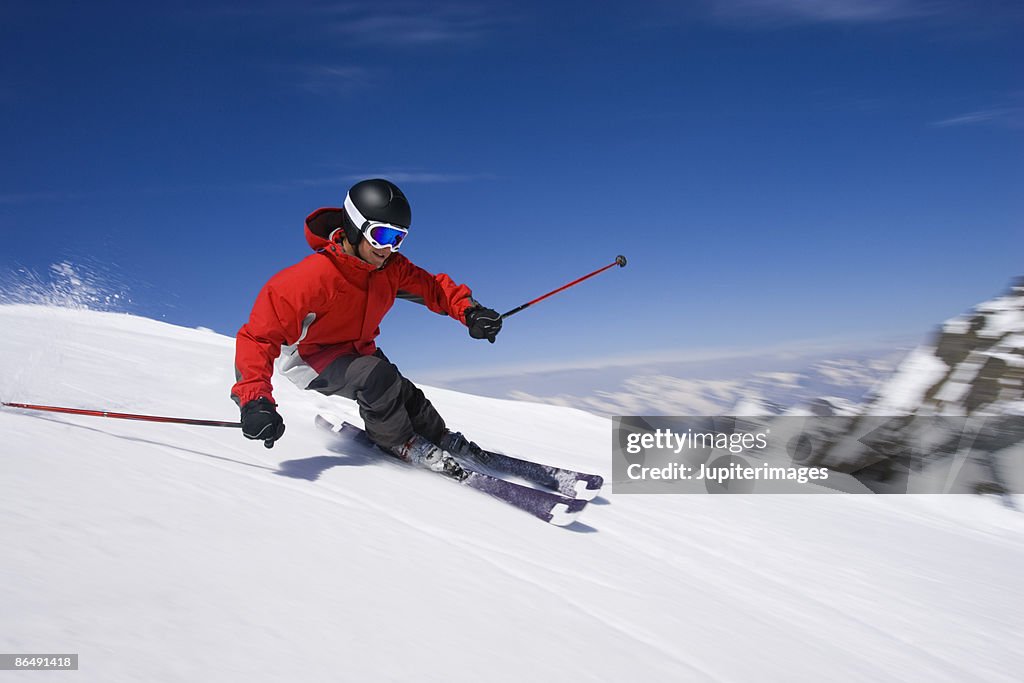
{"x":403,"y":24}
{"x":346,"y":179}
{"x":332,"y":79}
{"x":388,"y":24}
{"x":425,"y":177}
{"x":995,"y":116}
{"x":834,"y":11}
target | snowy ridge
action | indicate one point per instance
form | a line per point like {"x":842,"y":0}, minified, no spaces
{"x":762,"y":391}
{"x":975,"y":366}
{"x":174,"y":553}
{"x":964,"y":388}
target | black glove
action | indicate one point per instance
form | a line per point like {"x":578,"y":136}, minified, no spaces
{"x":260,"y":420}
{"x":483,"y":323}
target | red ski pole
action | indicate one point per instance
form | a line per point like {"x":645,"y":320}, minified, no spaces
{"x":124,"y":416}
{"x":620,"y":261}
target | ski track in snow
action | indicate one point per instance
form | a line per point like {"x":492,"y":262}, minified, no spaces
{"x":134,"y":544}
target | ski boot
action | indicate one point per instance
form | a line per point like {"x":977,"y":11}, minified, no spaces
{"x":419,"y":451}
{"x":457,"y":444}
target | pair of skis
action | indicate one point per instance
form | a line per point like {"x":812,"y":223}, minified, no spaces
{"x":560,"y":501}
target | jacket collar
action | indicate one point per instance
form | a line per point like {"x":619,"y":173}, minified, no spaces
{"x":344,"y":261}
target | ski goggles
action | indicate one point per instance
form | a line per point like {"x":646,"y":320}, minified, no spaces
{"x":377,"y":233}
{"x":382,"y":235}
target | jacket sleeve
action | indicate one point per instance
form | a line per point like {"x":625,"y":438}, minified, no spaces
{"x":438,"y":292}
{"x":276,"y":320}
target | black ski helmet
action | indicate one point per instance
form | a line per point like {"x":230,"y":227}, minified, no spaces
{"x":374,"y":200}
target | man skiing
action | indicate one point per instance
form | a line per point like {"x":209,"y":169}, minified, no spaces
{"x":322,"y":315}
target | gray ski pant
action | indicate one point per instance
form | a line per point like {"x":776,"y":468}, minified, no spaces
{"x":392,"y":407}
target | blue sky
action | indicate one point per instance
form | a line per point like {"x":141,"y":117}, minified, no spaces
{"x":776,"y":170}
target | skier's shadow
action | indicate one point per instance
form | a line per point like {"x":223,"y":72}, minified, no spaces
{"x":310,"y":469}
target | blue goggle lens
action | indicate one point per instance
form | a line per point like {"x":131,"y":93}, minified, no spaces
{"x":386,"y":236}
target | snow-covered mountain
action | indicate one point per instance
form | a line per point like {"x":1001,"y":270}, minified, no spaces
{"x":177,"y":553}
{"x":975,"y":362}
{"x":762,"y":382}
{"x":952,"y":411}
{"x":974,"y":365}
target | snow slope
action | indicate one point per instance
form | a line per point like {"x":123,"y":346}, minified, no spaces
{"x":175,"y":553}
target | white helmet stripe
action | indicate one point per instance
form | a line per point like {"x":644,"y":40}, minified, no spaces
{"x":353,"y":213}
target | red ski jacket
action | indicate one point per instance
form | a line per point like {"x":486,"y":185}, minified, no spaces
{"x":328,"y":305}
